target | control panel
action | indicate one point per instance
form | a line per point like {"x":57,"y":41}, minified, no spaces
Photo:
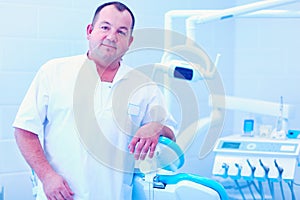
{"x":256,"y":158}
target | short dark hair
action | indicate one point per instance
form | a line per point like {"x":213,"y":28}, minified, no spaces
{"x":120,"y":6}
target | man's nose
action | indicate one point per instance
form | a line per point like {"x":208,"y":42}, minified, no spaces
{"x":112,"y":35}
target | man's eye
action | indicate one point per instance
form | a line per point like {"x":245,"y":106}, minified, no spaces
{"x":105,"y":28}
{"x":122,"y":32}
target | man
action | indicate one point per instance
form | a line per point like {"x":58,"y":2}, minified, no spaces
{"x":54,"y":129}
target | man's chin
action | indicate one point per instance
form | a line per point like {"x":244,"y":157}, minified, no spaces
{"x":106,"y":61}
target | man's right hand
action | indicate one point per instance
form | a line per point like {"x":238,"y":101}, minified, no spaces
{"x":56,"y":188}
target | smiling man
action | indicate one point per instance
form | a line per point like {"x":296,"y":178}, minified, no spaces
{"x":110,"y":36}
{"x":73,"y":123}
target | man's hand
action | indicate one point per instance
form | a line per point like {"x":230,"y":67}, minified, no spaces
{"x":146,"y":139}
{"x":56,"y":188}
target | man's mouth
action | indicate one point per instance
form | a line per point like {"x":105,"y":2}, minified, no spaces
{"x":110,"y":46}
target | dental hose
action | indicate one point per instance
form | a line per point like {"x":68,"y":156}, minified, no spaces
{"x":290,"y":184}
{"x":240,"y":189}
{"x":261,"y":189}
{"x":250,"y":189}
{"x":281,"y":189}
{"x":256,"y":188}
{"x":271,"y":187}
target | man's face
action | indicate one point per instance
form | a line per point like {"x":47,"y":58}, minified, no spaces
{"x":110,"y":35}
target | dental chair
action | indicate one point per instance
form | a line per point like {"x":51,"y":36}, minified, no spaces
{"x":155,"y":179}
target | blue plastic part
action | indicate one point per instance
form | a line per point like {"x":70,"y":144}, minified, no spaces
{"x":293,"y":134}
{"x":174,"y":146}
{"x":1,"y":192}
{"x":183,"y":73}
{"x":248,"y":125}
{"x":226,"y":17}
{"x":174,"y":179}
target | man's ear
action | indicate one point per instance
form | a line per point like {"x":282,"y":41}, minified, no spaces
{"x":89,"y":30}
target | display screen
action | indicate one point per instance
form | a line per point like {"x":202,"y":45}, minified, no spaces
{"x":231,"y":145}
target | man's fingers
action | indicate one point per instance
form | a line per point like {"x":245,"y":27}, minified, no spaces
{"x":141,"y":146}
{"x":56,"y":196}
{"x":67,"y":195}
{"x":71,"y":193}
{"x":138,"y":148}
{"x":152,"y":150}
{"x":145,"y":150}
{"x":133,"y":144}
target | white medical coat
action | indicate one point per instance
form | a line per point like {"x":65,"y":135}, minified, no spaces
{"x":48,"y":111}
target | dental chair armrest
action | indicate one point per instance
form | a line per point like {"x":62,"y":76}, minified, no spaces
{"x":174,"y":179}
{"x":174,"y":150}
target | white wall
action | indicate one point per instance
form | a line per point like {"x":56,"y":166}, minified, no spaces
{"x":266,"y":61}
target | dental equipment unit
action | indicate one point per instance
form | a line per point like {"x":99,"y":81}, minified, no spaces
{"x":235,"y":157}
{"x":259,"y":159}
{"x":194,"y":18}
{"x":260,"y":163}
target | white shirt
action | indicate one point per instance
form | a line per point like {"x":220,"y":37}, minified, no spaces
{"x":85,"y":125}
